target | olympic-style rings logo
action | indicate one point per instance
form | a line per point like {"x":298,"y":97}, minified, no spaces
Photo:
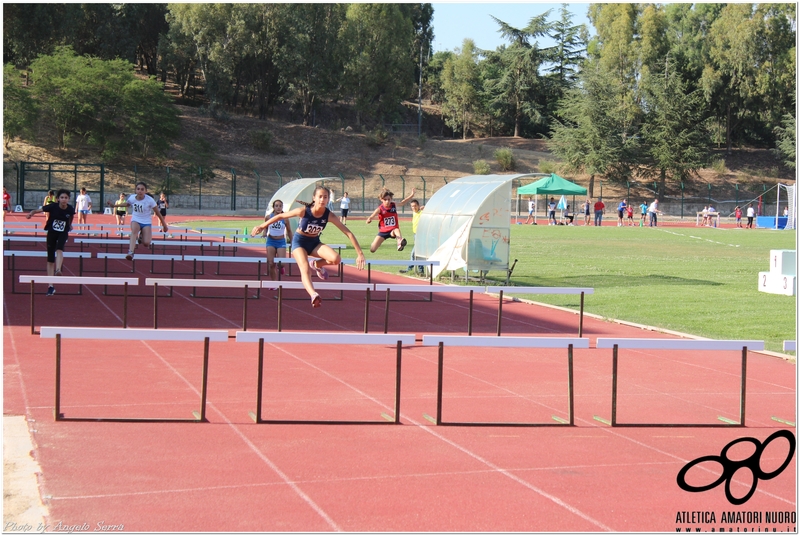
{"x":730,"y":467}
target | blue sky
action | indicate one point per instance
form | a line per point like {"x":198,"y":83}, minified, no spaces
{"x":455,"y":21}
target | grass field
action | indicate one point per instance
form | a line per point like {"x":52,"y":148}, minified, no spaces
{"x":700,"y":281}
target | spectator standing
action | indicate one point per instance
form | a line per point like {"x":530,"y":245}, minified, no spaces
{"x":552,"y":207}
{"x":417,"y":214}
{"x":711,"y":213}
{"x":653,"y":213}
{"x":738,"y":215}
{"x":599,"y":209}
{"x":587,"y":212}
{"x":750,"y":215}
{"x":83,"y":205}
{"x":643,"y":208}
{"x":530,"y":211}
{"x":6,"y":201}
{"x":704,"y":216}
{"x":345,"y":206}
{"x":622,"y":208}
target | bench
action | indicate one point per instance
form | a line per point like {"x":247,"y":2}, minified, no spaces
{"x":539,"y":290}
{"x":506,"y":342}
{"x":679,"y":345}
{"x":430,"y":289}
{"x":12,"y":261}
{"x":327,"y":338}
{"x":104,"y":281}
{"x":95,"y":333}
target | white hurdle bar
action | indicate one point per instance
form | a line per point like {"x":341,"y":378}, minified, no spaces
{"x":406,"y":263}
{"x":94,"y":333}
{"x":327,"y":338}
{"x":339,"y":286}
{"x":431,"y":289}
{"x":12,"y":261}
{"x":152,"y":258}
{"x":539,"y":290}
{"x":680,"y":345}
{"x":194,"y":259}
{"x":104,"y":281}
{"x":247,"y":286}
{"x":789,"y":345}
{"x":505,"y":341}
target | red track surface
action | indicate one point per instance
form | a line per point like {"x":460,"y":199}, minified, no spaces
{"x":232,"y":475}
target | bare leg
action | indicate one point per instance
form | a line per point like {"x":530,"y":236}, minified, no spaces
{"x":134,"y":234}
{"x":59,"y":260}
{"x":376,"y":243}
{"x":301,"y":257}
{"x":271,"y":268}
{"x":147,"y":235}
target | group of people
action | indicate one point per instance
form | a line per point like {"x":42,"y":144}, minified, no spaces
{"x":648,"y":213}
{"x":60,"y":216}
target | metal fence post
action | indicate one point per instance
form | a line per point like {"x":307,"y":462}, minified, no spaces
{"x":281,"y":179}
{"x":233,"y":190}
{"x":257,"y":190}
{"x":403,"y":191}
{"x":424,"y":191}
{"x":200,"y":185}
{"x":682,"y":202}
{"x":363,"y":193}
{"x":102,"y":184}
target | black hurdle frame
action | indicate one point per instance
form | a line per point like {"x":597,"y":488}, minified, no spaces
{"x":440,"y":389}
{"x":12,"y":262}
{"x":199,"y":416}
{"x":246,"y":298}
{"x":742,"y":405}
{"x":33,"y":306}
{"x":257,"y":415}
{"x":388,"y":300}
{"x":579,"y":328}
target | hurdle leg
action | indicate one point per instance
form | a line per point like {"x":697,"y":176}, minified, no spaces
{"x":582,"y":302}
{"x":471,"y":307}
{"x":204,"y":392}
{"x":244,"y":319}
{"x":615,"y":384}
{"x":279,"y":308}
{"x":13,"y":261}
{"x":385,"y":323}
{"x":125,"y":306}
{"x":439,"y":393}
{"x":155,"y":305}
{"x":57,"y":409}
{"x":399,"y":381}
{"x":571,"y":384}
{"x":366,"y":313}
{"x":259,"y":396}
{"x":499,"y":314}
{"x":33,"y":329}
{"x":743,"y":387}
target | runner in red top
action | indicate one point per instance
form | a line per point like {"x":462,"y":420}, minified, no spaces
{"x":389,"y":222}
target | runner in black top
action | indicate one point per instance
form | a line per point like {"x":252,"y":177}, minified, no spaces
{"x":58,"y":226}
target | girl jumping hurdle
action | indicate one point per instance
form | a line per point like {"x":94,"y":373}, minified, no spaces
{"x":314,"y":217}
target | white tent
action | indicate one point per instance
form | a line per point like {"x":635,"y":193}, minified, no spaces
{"x":467,"y":224}
{"x":297,"y":190}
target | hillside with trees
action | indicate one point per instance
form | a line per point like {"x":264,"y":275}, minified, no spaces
{"x":652,"y":93}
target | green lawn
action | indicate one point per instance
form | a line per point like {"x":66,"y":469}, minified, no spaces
{"x":700,"y":281}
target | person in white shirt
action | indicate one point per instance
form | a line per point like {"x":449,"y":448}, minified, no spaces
{"x":142,"y":207}
{"x":750,"y":216}
{"x":345,"y":206}
{"x":83,"y":205}
{"x":653,"y":213}
{"x":530,"y":211}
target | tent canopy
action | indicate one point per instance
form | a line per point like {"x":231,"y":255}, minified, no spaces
{"x":297,"y":190}
{"x":552,"y":185}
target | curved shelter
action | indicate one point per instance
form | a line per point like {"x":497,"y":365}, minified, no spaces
{"x":297,"y":190}
{"x":466,"y":224}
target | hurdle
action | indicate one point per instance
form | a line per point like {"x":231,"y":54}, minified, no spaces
{"x":12,"y":261}
{"x":340,"y":286}
{"x":259,"y":260}
{"x":94,"y":333}
{"x":789,"y":345}
{"x":9,"y":240}
{"x":679,"y":345}
{"x":105,"y":281}
{"x":328,"y":339}
{"x":247,"y":285}
{"x":401,"y":263}
{"x":424,"y":288}
{"x":507,"y":342}
{"x":539,"y":290}
{"x":126,"y":243}
{"x":143,"y":257}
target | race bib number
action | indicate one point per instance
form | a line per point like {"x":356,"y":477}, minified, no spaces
{"x":138,"y":208}
{"x":314,"y":229}
{"x":277,"y":225}
{"x":389,"y":221}
{"x":58,"y":225}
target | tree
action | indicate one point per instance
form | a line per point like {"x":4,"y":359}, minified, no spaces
{"x":595,"y":135}
{"x":786,"y":140}
{"x":19,"y":108}
{"x":459,"y":82}
{"x":379,"y":57}
{"x":674,"y":135}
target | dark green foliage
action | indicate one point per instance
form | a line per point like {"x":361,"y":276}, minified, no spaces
{"x":19,"y":108}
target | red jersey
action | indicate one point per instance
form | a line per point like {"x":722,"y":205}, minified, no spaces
{"x":388,"y":218}
{"x":6,"y":201}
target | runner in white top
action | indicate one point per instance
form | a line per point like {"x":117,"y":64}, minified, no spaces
{"x":345,"y":206}
{"x":276,"y":239}
{"x":142,"y":207}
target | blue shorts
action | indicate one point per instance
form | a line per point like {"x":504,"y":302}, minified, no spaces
{"x":84,"y":211}
{"x":277,"y":243}
{"x":309,"y":243}
{"x":142,"y":225}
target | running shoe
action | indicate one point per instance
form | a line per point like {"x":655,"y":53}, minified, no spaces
{"x":129,"y":256}
{"x":402,"y":244}
{"x":58,"y":273}
{"x":316,"y":301}
{"x":50,"y":291}
{"x":320,"y":272}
